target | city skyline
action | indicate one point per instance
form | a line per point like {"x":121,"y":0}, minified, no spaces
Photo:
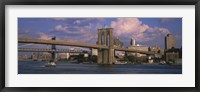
{"x":146,"y":31}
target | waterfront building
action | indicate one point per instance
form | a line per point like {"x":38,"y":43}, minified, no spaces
{"x":63,"y":55}
{"x":170,"y":41}
{"x":141,"y":48}
{"x":34,"y":56}
{"x":47,"y":56}
{"x":136,"y":47}
{"x":94,"y":51}
{"x":120,"y":55}
{"x":41,"y":56}
{"x":86,"y":55}
{"x":23,"y":57}
{"x":74,"y":54}
{"x":154,"y":49}
{"x":162,"y":51}
{"x":174,"y":56}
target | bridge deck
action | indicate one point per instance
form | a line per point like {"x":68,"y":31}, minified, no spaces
{"x":48,"y":50}
{"x":59,"y":42}
{"x":78,"y":44}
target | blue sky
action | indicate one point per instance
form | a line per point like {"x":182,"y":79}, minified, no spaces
{"x":146,"y":31}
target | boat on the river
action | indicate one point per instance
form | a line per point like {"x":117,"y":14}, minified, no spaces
{"x":50,"y":64}
{"x":162,"y":62}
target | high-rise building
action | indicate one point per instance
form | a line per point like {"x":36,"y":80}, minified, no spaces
{"x":170,"y":41}
{"x":132,"y":42}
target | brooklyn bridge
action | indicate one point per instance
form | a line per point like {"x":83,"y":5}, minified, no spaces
{"x":105,"y":46}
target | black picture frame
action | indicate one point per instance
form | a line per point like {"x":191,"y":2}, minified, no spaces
{"x":99,"y":2}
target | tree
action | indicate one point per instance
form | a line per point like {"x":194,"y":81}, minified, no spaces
{"x":131,"y":58}
{"x":126,"y":59}
{"x":94,"y":58}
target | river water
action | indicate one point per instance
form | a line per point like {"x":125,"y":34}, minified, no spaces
{"x":38,"y":67}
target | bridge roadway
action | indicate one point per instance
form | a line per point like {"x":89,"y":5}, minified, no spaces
{"x":77,"y":44}
{"x":48,"y":50}
{"x":60,"y":42}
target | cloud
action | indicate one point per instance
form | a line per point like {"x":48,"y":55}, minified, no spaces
{"x":166,"y":20}
{"x":44,"y":36}
{"x":83,"y":38}
{"x":61,"y":28}
{"x":59,"y":19}
{"x":73,"y":29}
{"x":133,"y":27}
{"x":77,"y":22}
{"x":83,"y":32}
{"x":127,"y":26}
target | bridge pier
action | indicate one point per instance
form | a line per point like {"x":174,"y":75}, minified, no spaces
{"x":111,"y":56}
{"x":99,"y":57}
{"x":105,"y":57}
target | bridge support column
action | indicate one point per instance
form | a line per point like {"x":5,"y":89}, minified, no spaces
{"x":99,"y":42}
{"x":105,"y":37}
{"x":99,"y":57}
{"x":53,"y":54}
{"x":111,"y":56}
{"x":105,"y":57}
{"x":111,"y":46}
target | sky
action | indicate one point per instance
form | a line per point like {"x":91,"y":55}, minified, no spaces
{"x":146,"y":31}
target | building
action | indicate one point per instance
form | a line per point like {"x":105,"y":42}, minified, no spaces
{"x":23,"y":57}
{"x":94,"y":51}
{"x":63,"y":55}
{"x":41,"y":56}
{"x":118,"y":43}
{"x":120,"y":55}
{"x":170,"y":41}
{"x":154,"y":49}
{"x":162,"y":51}
{"x":47,"y":56}
{"x":173,"y":54}
{"x":138,"y":47}
{"x":132,"y":42}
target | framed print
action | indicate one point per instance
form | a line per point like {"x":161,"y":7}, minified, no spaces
{"x":110,"y":45}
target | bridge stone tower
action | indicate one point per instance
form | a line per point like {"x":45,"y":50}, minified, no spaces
{"x":105,"y":37}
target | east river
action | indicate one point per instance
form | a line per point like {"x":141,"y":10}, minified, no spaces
{"x":38,"y":67}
